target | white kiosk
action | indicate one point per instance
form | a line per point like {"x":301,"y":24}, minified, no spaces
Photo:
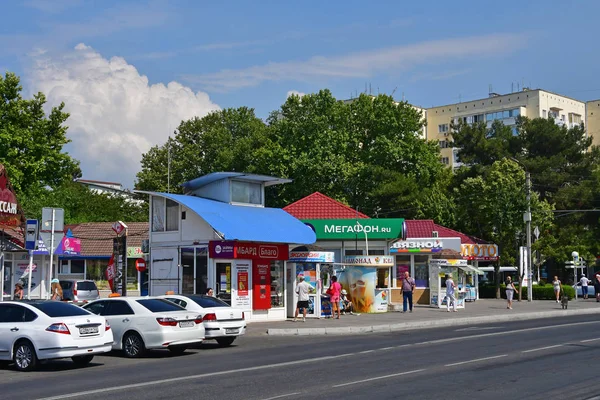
{"x":439,"y":269}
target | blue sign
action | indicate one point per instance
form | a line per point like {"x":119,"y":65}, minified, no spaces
{"x":31,"y":234}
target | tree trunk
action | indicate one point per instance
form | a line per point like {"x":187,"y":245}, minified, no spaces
{"x":497,"y":278}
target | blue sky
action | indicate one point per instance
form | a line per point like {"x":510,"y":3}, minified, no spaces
{"x":95,"y":55}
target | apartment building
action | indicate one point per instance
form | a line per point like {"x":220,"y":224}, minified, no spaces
{"x":592,"y":120}
{"x":506,"y":108}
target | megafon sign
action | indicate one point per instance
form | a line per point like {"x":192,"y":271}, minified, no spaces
{"x":11,"y":215}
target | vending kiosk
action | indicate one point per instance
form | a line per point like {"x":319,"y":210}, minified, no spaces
{"x":317,"y":268}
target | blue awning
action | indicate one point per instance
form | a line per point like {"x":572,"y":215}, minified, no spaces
{"x":253,"y":224}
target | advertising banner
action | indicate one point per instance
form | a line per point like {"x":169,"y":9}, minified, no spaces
{"x":241,"y":294}
{"x":360,"y":283}
{"x":312,"y":256}
{"x":341,"y":229}
{"x":23,"y":274}
{"x":261,"y":294}
{"x":11,"y":215}
{"x":309,"y":271}
{"x":381,"y":300}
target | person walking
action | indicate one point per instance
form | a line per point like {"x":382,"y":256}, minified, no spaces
{"x":56,"y":290}
{"x":556,"y":283}
{"x":510,"y":292}
{"x":408,"y":288}
{"x":450,"y":293}
{"x":334,"y":296}
{"x":302,"y":290}
{"x":584,"y":286}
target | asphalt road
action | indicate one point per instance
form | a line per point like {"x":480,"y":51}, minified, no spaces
{"x":541,"y":359}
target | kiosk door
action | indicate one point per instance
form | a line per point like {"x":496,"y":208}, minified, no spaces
{"x":223,"y":284}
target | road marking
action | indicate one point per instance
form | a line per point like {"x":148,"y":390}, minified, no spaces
{"x":542,"y":348}
{"x":589,"y":340}
{"x":366,"y":351}
{"x":387,"y":348}
{"x":475,"y":360}
{"x":298,"y":362}
{"x":476,"y":328}
{"x":283,"y":395}
{"x":378,"y":378}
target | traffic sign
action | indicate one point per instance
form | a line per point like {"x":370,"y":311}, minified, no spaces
{"x":536,"y":232}
{"x":31,"y":234}
{"x":59,"y":219}
{"x":47,"y":239}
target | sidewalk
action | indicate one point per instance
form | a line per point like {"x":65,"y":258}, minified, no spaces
{"x":482,"y":311}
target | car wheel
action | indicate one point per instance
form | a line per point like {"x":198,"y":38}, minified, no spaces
{"x":24,"y":356}
{"x":177,"y":350}
{"x":82,"y":361}
{"x":133,"y":345}
{"x":225,"y":341}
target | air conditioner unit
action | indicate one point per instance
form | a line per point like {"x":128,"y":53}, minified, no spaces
{"x":446,"y":134}
{"x":434,"y":234}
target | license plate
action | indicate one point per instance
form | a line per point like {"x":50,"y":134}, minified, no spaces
{"x":88,"y":330}
{"x":231,"y":330}
{"x":186,"y":324}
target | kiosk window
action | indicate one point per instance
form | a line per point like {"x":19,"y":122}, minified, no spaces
{"x":277,"y":297}
{"x":422,"y":271}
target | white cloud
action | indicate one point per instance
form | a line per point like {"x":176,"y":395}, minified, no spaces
{"x":116,"y":115}
{"x":363,"y":64}
{"x":294,"y":93}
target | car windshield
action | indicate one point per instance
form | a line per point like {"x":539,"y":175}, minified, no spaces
{"x":58,"y":309}
{"x":160,"y":305}
{"x":86,"y":285}
{"x":208,"y":301}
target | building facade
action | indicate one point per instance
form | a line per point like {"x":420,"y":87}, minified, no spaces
{"x":535,"y":103}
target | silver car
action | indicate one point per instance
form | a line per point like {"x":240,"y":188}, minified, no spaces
{"x":79,"y":290}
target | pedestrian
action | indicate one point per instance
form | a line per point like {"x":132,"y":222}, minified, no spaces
{"x":597,"y":287}
{"x":334,"y":296}
{"x":346,"y":303}
{"x":556,"y":283}
{"x":302,"y":290}
{"x":18,"y":294}
{"x":408,"y":288}
{"x":210,"y":292}
{"x":450,"y":290}
{"x":56,"y":290}
{"x":510,"y":292}
{"x":584,"y":286}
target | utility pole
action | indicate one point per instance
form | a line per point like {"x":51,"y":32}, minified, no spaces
{"x":528,"y":229}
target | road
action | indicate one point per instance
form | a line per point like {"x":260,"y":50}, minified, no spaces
{"x":541,"y":359}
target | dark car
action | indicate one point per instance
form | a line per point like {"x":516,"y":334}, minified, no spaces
{"x":79,"y":290}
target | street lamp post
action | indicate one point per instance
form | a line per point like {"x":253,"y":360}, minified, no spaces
{"x":527,"y":219}
{"x":575,"y":256}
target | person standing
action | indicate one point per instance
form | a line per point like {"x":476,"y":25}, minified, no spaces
{"x":210,"y":292}
{"x":56,"y":290}
{"x":510,"y":292}
{"x":334,"y":296}
{"x":556,"y":283}
{"x":597,"y":287}
{"x":584,"y":286}
{"x":408,"y":288}
{"x":18,"y":294}
{"x":450,"y":293}
{"x":302,"y":290}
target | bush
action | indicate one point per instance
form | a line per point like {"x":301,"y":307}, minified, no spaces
{"x":540,"y":292}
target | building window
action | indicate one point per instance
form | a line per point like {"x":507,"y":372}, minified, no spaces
{"x":544,"y":115}
{"x":443,"y":144}
{"x":165,"y":214}
{"x":443,"y":128}
{"x":277,"y":294}
{"x":246,"y":192}
{"x":422,"y":271}
{"x":376,"y":252}
{"x":72,"y":267}
{"x":445,"y":160}
{"x":357,"y":252}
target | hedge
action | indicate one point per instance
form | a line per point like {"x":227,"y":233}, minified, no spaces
{"x":540,"y":292}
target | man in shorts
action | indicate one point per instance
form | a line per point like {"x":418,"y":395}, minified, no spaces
{"x":302,"y":290}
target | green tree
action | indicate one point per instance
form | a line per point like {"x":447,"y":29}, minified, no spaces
{"x":84,"y":205}
{"x":491,"y":206}
{"x":32,"y":143}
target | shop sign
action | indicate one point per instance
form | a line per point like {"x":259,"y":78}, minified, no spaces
{"x":486,"y":252}
{"x":312,"y":256}
{"x":448,"y":263}
{"x":11,"y":215}
{"x":340,"y":229}
{"x":425,"y":245}
{"x":71,"y":246}
{"x":134,"y":252}
{"x":248,"y":251}
{"x":369,"y":260}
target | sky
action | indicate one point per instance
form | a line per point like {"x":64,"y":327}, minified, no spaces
{"x":130,"y":71}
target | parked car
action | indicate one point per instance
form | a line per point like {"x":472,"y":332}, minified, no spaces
{"x":42,"y":330}
{"x":79,"y":290}
{"x":141,"y":323}
{"x":222,"y":322}
{"x":591,"y":291}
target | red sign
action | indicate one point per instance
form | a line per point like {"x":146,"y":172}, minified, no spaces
{"x":119,"y":227}
{"x":261,"y":280}
{"x":242,"y":280}
{"x":248,"y":251}
{"x":11,"y":215}
{"x":140,"y":264}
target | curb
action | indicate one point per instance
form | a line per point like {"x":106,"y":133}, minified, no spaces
{"x":438,"y":323}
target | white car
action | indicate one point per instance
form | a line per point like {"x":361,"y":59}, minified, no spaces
{"x":141,"y":323}
{"x":221,"y":321}
{"x":40,"y":330}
